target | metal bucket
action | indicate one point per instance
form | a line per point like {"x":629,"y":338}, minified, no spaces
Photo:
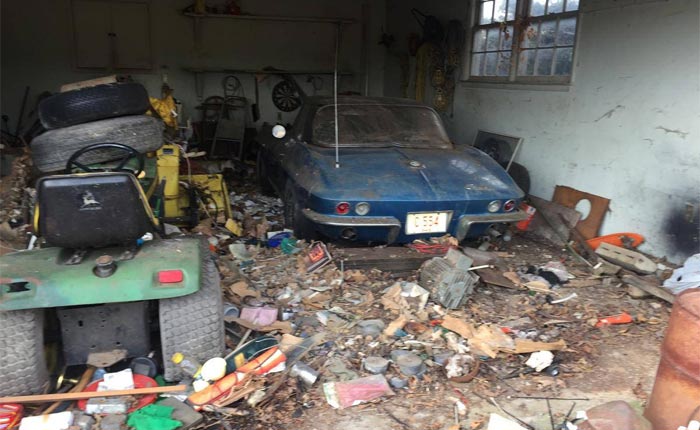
{"x":676,"y":393}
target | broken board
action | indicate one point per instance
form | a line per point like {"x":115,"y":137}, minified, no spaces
{"x":386,"y":259}
{"x":552,"y":220}
{"x":626,"y":258}
{"x":569,"y":197}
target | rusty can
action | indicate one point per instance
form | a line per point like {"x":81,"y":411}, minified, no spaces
{"x":676,"y":392}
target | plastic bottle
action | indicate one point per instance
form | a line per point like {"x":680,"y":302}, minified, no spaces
{"x":188,"y":365}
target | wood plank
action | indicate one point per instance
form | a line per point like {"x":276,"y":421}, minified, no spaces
{"x":569,"y":197}
{"x":495,"y":277}
{"x":552,"y":220}
{"x":57,"y":397}
{"x":387,"y":259}
{"x":89,"y":83}
{"x":647,"y":285}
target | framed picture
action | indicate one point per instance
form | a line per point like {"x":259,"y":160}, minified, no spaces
{"x":501,"y":147}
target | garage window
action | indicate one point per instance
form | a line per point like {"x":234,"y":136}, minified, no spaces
{"x":523,"y":40}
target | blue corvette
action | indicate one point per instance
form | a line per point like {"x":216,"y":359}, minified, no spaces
{"x":399,"y":177}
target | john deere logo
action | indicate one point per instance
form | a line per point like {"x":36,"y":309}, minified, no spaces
{"x":89,"y":202}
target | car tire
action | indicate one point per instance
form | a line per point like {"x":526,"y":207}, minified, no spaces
{"x":520,"y":176}
{"x":23,"y":366}
{"x":51,"y":150}
{"x":293,"y":216}
{"x":262,"y":177}
{"x":194,"y":324}
{"x":496,"y":149}
{"x":93,"y":104}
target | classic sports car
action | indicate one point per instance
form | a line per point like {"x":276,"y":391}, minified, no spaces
{"x":399,"y":176}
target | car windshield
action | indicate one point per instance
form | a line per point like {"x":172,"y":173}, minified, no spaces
{"x":374,"y":126}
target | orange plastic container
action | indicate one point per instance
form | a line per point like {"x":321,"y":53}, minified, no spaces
{"x":530,"y":211}
{"x":676,"y":392}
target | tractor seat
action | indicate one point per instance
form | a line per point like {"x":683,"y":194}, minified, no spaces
{"x":92,"y":210}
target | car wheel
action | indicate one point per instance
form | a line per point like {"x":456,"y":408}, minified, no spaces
{"x":496,"y":149}
{"x":293,"y":217}
{"x":193,"y":324}
{"x":52,"y":149}
{"x":93,"y":104}
{"x":520,"y":176}
{"x":23,"y":366}
{"x":262,"y":177}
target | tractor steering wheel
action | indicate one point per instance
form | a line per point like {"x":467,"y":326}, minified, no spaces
{"x":130,"y":153}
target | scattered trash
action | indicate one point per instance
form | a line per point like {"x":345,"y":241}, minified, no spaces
{"x":540,"y":360}
{"x":304,"y":372}
{"x":316,"y":257}
{"x":497,"y":422}
{"x":376,"y":365}
{"x":449,"y":279}
{"x":341,"y":395}
{"x":623,"y":318}
{"x":57,"y":421}
{"x":685,"y":277}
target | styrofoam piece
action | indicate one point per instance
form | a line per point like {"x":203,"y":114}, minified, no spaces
{"x":57,"y":421}
{"x":497,"y":422}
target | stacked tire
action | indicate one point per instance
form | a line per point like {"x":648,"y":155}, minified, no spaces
{"x":104,"y":113}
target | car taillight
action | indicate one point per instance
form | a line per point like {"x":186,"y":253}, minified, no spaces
{"x":170,"y":276}
{"x":494,"y":206}
{"x":509,"y":205}
{"x":342,"y":208}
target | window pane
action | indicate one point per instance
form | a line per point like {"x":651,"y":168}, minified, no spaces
{"x":499,"y":14}
{"x":571,"y":5}
{"x":543,"y":64}
{"x":486,"y":12}
{"x":530,"y":37}
{"x":503,"y":68}
{"x":555,"y":6}
{"x":537,"y":7}
{"x":477,"y":64}
{"x":479,"y":41}
{"x":492,"y":39}
{"x":511,"y":10}
{"x":567,"y":32}
{"x":527,"y":63}
{"x":547,"y":33}
{"x":507,"y":38}
{"x":491,"y":62}
{"x":563,"y":61}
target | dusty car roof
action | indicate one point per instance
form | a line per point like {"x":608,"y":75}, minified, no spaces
{"x":361,"y":100}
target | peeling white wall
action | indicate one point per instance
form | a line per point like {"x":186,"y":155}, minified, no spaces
{"x":627,"y":128}
{"x":37,"y":49}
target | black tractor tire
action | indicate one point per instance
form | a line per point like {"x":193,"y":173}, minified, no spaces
{"x":23,"y":366}
{"x":520,"y":176}
{"x":262,"y":177}
{"x":51,"y":150}
{"x":93,"y":104}
{"x":194,"y":324}
{"x":294,"y":217}
{"x":496,"y":149}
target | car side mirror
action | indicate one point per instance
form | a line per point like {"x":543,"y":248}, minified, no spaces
{"x":279,"y":131}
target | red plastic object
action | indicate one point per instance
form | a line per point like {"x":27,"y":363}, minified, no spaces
{"x":616,"y":239}
{"x":10,"y":415}
{"x":623,"y":318}
{"x":530,"y":211}
{"x":170,"y":276}
{"x":140,"y":381}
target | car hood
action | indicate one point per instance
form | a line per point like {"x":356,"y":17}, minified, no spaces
{"x":408,"y":174}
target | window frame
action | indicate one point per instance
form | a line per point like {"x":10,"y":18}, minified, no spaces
{"x":519,"y":24}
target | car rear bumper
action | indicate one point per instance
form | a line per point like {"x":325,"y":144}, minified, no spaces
{"x":390,"y":224}
{"x":467,"y":221}
{"x":388,"y":229}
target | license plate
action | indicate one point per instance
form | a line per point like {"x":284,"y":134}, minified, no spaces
{"x":427,"y":222}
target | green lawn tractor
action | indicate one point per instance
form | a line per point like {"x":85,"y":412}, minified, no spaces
{"x":102,"y":283}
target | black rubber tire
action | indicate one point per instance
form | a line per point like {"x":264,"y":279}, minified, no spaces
{"x":293,"y":216}
{"x":23,"y":366}
{"x":193,"y":324}
{"x":51,"y":150}
{"x":93,"y":104}
{"x":520,"y":175}
{"x":261,"y":176}
{"x":496,"y":149}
